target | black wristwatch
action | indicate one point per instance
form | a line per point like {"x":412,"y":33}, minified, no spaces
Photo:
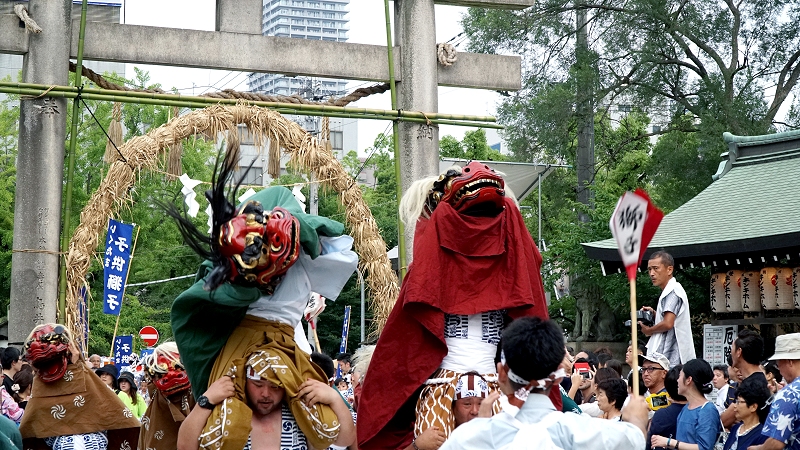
{"x":204,"y":402}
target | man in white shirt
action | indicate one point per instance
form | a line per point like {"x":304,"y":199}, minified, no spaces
{"x":671,"y":332}
{"x":720,"y":382}
{"x":532,"y":350}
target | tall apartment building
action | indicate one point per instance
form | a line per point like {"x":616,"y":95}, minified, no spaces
{"x":306,"y":19}
{"x":302,"y":19}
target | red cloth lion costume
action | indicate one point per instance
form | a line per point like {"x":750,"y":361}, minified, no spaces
{"x":472,"y":254}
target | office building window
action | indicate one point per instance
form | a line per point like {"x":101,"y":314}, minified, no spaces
{"x":336,"y":140}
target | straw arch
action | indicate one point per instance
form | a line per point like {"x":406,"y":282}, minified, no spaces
{"x":144,"y":153}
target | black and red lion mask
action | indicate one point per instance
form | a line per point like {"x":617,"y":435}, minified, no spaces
{"x":477,"y":190}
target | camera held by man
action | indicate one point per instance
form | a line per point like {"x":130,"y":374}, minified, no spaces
{"x":643,"y":316}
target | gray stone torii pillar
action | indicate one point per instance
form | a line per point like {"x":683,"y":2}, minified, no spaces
{"x":415,"y":33}
{"x":40,"y":160}
{"x":418,"y":91}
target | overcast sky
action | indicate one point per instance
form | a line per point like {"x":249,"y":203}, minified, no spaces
{"x":366,"y":27}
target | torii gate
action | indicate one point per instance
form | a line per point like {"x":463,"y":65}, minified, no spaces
{"x":37,"y":211}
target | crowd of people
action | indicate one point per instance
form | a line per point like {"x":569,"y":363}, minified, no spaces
{"x":750,"y":404}
{"x":584,"y":399}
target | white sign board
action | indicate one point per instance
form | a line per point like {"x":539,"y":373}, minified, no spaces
{"x":627,"y":224}
{"x":717,"y":342}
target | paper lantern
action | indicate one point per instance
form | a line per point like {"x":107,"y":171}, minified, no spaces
{"x":769,"y":278}
{"x":784,"y":288}
{"x":718,"y":293}
{"x":796,"y":287}
{"x":733,"y":290}
{"x":751,"y":293}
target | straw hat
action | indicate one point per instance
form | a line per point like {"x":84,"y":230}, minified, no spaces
{"x":787,"y":346}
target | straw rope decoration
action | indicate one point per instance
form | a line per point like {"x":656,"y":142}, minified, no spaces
{"x":356,"y":95}
{"x":146,"y":153}
{"x":114,"y":133}
{"x":175,"y":153}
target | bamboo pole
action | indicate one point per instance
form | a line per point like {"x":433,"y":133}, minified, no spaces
{"x":122,"y":298}
{"x":401,"y":240}
{"x":67,"y":208}
{"x":348,"y":113}
{"x":114,"y":336}
{"x":108,"y":95}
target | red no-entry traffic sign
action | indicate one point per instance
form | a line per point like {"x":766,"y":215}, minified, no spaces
{"x":149,"y":335}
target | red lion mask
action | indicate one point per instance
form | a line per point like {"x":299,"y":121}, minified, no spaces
{"x":248,"y":246}
{"x":168,"y":374}
{"x":48,"y":351}
{"x":260,"y":246}
{"x":477,"y":190}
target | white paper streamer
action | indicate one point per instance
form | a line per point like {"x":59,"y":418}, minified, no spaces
{"x":248,"y":193}
{"x":298,"y":195}
{"x":210,"y":213}
{"x":189,"y":195}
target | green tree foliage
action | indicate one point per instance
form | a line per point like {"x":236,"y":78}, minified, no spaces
{"x":710,"y":61}
{"x":9,"y":129}
{"x":351,"y":163}
{"x":473,"y":146}
{"x":700,"y":56}
{"x":680,"y":167}
{"x":624,"y":163}
{"x":139,"y":119}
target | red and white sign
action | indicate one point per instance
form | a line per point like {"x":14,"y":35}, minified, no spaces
{"x":633,"y":224}
{"x":149,"y":335}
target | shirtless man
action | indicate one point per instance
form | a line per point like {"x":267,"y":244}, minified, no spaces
{"x":272,"y":422}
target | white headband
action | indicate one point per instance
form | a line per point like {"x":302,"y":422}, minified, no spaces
{"x":260,"y":362}
{"x":540,"y":384}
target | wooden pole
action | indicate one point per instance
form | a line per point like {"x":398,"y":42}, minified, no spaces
{"x":634,"y":340}
{"x":401,"y":240}
{"x":316,"y":338}
{"x":114,"y":336}
{"x":122,"y":298}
